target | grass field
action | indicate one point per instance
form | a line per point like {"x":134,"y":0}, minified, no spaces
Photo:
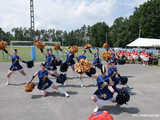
{"x":26,"y":54}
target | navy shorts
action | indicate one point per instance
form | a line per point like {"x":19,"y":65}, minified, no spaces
{"x":16,"y":68}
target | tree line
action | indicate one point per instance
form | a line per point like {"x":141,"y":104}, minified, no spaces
{"x":144,"y":22}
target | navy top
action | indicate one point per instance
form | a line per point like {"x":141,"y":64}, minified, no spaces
{"x":114,"y":78}
{"x":50,"y":59}
{"x":70,"y":57}
{"x":15,"y":60}
{"x":113,"y":55}
{"x":50,"y":62}
{"x":123,"y":57}
{"x":44,"y":81}
{"x":111,"y":70}
{"x":103,"y":93}
{"x":96,"y":59}
{"x":15,"y":63}
{"x":81,"y":57}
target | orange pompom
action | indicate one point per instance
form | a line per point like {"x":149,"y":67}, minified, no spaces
{"x":39,"y":44}
{"x":29,"y":87}
{"x":107,"y":56}
{"x":105,"y":45}
{"x":88,"y":46}
{"x":74,"y":49}
{"x":57,"y":46}
{"x":36,"y":42}
{"x":82,"y":66}
{"x":3,"y":45}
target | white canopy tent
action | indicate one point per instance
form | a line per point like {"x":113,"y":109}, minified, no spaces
{"x":145,"y":42}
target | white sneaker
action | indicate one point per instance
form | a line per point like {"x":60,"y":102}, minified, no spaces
{"x":28,"y":81}
{"x":130,"y":87}
{"x":66,"y":95}
{"x":83,"y":86}
{"x":64,"y":84}
{"x":96,"y":109}
{"x":7,"y":83}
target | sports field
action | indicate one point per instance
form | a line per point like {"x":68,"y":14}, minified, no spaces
{"x":26,"y":54}
{"x":16,"y":104}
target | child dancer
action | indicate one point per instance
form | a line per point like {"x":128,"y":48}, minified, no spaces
{"x":105,"y":91}
{"x":16,"y":66}
{"x":45,"y":82}
{"x":113,"y":72}
{"x":82,"y":56}
{"x":97,"y":60}
{"x":50,"y":62}
{"x":69,"y":59}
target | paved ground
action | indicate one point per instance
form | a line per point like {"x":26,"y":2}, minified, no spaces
{"x":15,"y":104}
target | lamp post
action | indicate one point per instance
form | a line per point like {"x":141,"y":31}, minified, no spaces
{"x":32,"y":25}
{"x":32,"y":14}
{"x":139,"y":32}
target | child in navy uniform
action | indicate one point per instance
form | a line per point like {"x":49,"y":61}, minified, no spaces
{"x":69,"y":58}
{"x":113,"y":73}
{"x":112,"y":70}
{"x":105,"y":91}
{"x":82,"y":56}
{"x":97,"y":60}
{"x":45,"y":82}
{"x":50,"y":62}
{"x":16,"y":66}
{"x":46,"y":55}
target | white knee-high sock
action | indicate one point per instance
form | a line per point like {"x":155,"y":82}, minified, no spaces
{"x":60,"y":90}
{"x":94,"y":82}
{"x":129,"y":86}
{"x":81,"y":82}
{"x":7,"y":81}
{"x":98,"y":106}
{"x":102,"y":103}
{"x":27,"y":79}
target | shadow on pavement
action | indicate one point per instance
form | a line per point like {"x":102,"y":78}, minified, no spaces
{"x":129,"y":76}
{"x":18,"y":84}
{"x":118,"y":110}
{"x":91,"y":85}
{"x":75,"y":77}
{"x":132,"y":93}
{"x":77,"y":86}
{"x":68,"y":85}
{"x":36,"y":96}
{"x":54,"y":94}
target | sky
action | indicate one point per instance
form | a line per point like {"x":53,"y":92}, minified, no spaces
{"x":64,"y":14}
